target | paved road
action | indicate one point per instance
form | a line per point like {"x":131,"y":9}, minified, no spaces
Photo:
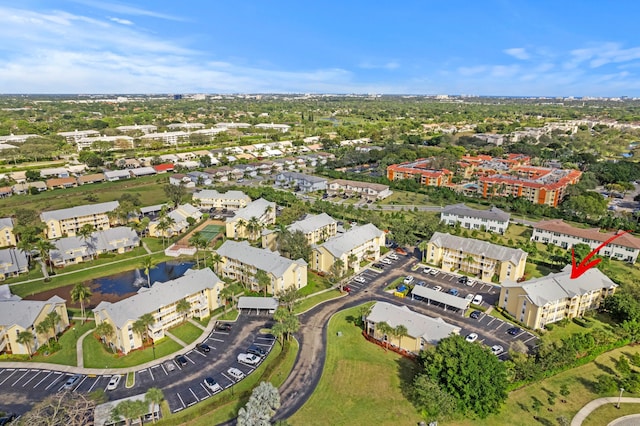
{"x":587,"y":409}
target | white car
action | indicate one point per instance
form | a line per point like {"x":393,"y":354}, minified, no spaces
{"x":169,"y":366}
{"x":408,"y":279}
{"x":212,"y":385}
{"x":236,"y":374}
{"x":470,"y":282}
{"x":426,"y":271}
{"x":477,"y":300}
{"x":250,"y":359}
{"x":386,"y":261}
{"x":438,"y":288}
{"x":393,"y":256}
{"x":360,"y":279}
{"x":497,"y":349}
{"x":113,"y":383}
{"x":469,"y":297}
{"x":471,"y":337}
{"x":433,"y":272}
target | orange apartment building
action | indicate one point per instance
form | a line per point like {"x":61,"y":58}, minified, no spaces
{"x":484,"y":165}
{"x":420,"y":167}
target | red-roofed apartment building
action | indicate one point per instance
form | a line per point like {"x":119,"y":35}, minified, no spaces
{"x":559,"y":233}
{"x":421,"y":168}
{"x":163,"y":168}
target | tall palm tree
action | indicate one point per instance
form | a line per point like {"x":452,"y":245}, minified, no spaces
{"x":154,"y":396}
{"x":400,"y":332}
{"x":43,"y":328}
{"x":241,"y":223}
{"x":106,"y":331}
{"x":147,"y":265}
{"x":385,"y":330}
{"x":351,"y":260}
{"x":82,"y":294}
{"x":227,"y":294}
{"x":139,"y":328}
{"x":54,"y":319}
{"x":44,"y":248}
{"x":183,"y":307}
{"x":263,"y":280}
{"x":253,"y":226}
{"x":148,"y":320}
{"x":195,"y":241}
{"x":216,"y":259}
{"x":26,"y":338}
{"x":423,"y":248}
{"x":85,"y":233}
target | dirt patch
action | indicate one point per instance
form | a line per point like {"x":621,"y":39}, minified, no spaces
{"x":65,"y":293}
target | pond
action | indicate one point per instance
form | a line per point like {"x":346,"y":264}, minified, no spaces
{"x":130,"y":281}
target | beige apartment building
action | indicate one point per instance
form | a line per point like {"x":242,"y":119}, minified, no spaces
{"x":316,"y":228}
{"x":211,"y":199}
{"x":476,"y":257}
{"x":67,"y":222}
{"x":555,"y":297}
{"x":201,"y":288}
{"x":7,"y":237}
{"x":238,"y":226}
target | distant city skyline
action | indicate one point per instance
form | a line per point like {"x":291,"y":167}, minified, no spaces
{"x":489,"y":48}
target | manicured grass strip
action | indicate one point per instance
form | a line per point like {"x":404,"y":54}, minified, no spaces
{"x":97,"y":356}
{"x":314,"y":300}
{"x":607,"y":413}
{"x":131,"y":380}
{"x":186,"y":332}
{"x":361,"y":383}
{"x":231,"y":315}
{"x":67,"y":355}
{"x":315,"y":283}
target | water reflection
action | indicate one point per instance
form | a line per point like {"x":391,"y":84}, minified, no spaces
{"x":131,"y":281}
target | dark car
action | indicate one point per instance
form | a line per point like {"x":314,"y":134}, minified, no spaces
{"x":514,"y":330}
{"x":223,"y":326}
{"x":203,"y":347}
{"x":8,"y":418}
{"x":181,"y":360}
{"x":463,"y":280}
{"x":378,"y":265}
{"x":256,"y":350}
{"x":475,"y":314}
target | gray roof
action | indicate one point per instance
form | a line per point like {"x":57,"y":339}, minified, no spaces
{"x":79,"y":211}
{"x":6,"y":222}
{"x":248,"y":302}
{"x":108,"y":240}
{"x":207,"y":194}
{"x":432,"y":330}
{"x":12,"y":261}
{"x":311,"y":223}
{"x":266,"y":260}
{"x":151,"y":209}
{"x":5,"y":294}
{"x":493,"y":213}
{"x":560,"y":285}
{"x":142,"y":171}
{"x":254,"y":209}
{"x":23,"y":312}
{"x":441,"y":297}
{"x":356,"y":236}
{"x":117,"y":173}
{"x":301,"y":176}
{"x":160,"y":294}
{"x":478,"y":248}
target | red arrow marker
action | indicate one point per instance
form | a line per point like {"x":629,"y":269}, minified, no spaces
{"x":577,"y":270}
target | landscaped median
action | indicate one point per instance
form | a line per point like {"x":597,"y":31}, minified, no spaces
{"x":96,"y":355}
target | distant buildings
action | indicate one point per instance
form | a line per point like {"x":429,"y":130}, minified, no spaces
{"x":492,"y":220}
{"x":300,"y":182}
{"x":421,"y":171}
{"x":351,"y":188}
{"x":211,"y":199}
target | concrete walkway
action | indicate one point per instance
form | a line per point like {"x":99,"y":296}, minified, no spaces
{"x":196,"y":323}
{"x":175,"y":338}
{"x":79,"y":351}
{"x":587,"y":409}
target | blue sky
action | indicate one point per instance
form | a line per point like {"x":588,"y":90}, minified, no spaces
{"x":489,"y":47}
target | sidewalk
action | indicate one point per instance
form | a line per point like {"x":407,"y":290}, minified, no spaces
{"x":584,"y":412}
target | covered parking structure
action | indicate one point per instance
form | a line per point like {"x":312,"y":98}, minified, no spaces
{"x":257,"y":305}
{"x":446,"y":299}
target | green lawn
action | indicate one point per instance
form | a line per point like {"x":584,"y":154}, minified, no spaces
{"x":186,"y":332}
{"x":67,"y":355}
{"x":361,"y":383}
{"x":315,"y":283}
{"x":314,"y":300}
{"x":97,"y":356}
{"x":607,"y":413}
{"x":231,"y":315}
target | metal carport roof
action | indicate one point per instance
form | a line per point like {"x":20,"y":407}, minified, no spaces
{"x":440,"y":297}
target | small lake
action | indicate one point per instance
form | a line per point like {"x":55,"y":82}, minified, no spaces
{"x":130,"y":281}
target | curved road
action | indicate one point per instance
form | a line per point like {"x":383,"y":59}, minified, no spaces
{"x":584,"y":412}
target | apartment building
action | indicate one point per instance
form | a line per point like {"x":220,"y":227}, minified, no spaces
{"x":166,"y":138}
{"x":18,"y":315}
{"x":13,"y":262}
{"x":479,"y":258}
{"x":422,"y":331}
{"x":241,"y":261}
{"x":7,"y":237}
{"x":179,"y":221}
{"x":76,"y":135}
{"x":211,"y":199}
{"x":261,"y":210}
{"x":138,"y":128}
{"x":561,"y":234}
{"x":67,"y":222}
{"x":115,"y":143}
{"x":492,"y":220}
{"x":351,"y":247}
{"x":421,"y":171}
{"x":300,"y":182}
{"x":72,"y":250}
{"x":315,"y":228}
{"x":557,"y":296}
{"x":201,"y":288}
{"x":351,"y":188}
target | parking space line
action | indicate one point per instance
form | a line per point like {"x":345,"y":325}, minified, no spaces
{"x":265,"y":338}
{"x":494,"y":318}
{"x":532,"y":337}
{"x":205,"y":389}
{"x":199,"y":353}
{"x":219,"y":332}
{"x":194,"y":394}
{"x":34,"y":376}
{"x":94,"y":384}
{"x":82,"y":381}
{"x":163,"y":369}
{"x":214,"y":339}
{"x":181,"y":401}
{"x":502,"y":323}
{"x":25,"y":373}
{"x":152,"y":376}
{"x":43,"y":379}
{"x":12,"y":373}
{"x":189,"y":359}
{"x":227,"y":377}
{"x":54,"y":382}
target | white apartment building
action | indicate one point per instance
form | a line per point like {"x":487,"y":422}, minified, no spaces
{"x":492,"y":220}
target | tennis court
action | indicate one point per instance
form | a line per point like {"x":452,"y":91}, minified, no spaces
{"x":209,"y":232}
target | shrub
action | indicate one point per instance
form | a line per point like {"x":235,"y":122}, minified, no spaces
{"x":549,"y":327}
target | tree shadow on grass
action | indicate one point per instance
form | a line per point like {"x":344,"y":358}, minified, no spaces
{"x":605,"y":368}
{"x":589,"y":384}
{"x":523,"y":407}
{"x":545,"y":421}
{"x":407,"y":370}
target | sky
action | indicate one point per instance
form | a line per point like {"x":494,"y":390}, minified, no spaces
{"x":422,"y":47}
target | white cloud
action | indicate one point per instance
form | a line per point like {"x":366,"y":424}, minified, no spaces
{"x":121,"y":21}
{"x":603,"y":54}
{"x":128,"y":10}
{"x":391,"y":65}
{"x":518,"y":53}
{"x":469,"y":71}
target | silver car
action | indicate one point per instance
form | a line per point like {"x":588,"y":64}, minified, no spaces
{"x":236,"y":374}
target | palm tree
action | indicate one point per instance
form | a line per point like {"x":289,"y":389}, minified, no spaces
{"x":469,"y":259}
{"x":54,"y":319}
{"x":216,"y":259}
{"x":253,"y":226}
{"x":81,"y":294}
{"x":364,"y":311}
{"x":154,"y":396}
{"x":423,"y":248}
{"x":183,"y":307}
{"x":26,"y":338}
{"x":163,"y":226}
{"x":385,"y":330}
{"x":106,"y":331}
{"x":148,"y":320}
{"x":263,"y":280}
{"x":241,"y":223}
{"x":195,"y":239}
{"x":85,"y":233}
{"x":400,"y":332}
{"x":43,"y":328}
{"x":351,"y":260}
{"x":44,"y":248}
{"x":140,"y":329}
{"x":147,"y":265}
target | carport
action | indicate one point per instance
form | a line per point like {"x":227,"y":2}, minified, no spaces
{"x":446,"y":299}
{"x":261,"y":305}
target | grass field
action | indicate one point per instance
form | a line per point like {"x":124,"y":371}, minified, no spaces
{"x":361,"y":383}
{"x":186,"y":332}
{"x":314,"y":300}
{"x":315,"y":283}
{"x":97,"y":356}
{"x":607,"y":413}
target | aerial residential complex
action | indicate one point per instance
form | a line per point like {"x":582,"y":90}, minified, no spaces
{"x":351,"y":247}
{"x":555,"y":297}
{"x":492,"y":220}
{"x":260,"y":210}
{"x":316,"y":228}
{"x":354,"y":188}
{"x":72,"y":250}
{"x":179,"y":221}
{"x":420,"y":170}
{"x":557,"y":232}
{"x":300,"y":182}
{"x":201,"y":288}
{"x":479,"y":258}
{"x":422,"y":331}
{"x":211,"y":199}
{"x":67,"y":222}
{"x":241,"y":261}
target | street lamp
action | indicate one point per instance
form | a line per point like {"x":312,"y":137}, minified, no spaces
{"x":153,"y":346}
{"x":75,"y":332}
{"x":619,"y":397}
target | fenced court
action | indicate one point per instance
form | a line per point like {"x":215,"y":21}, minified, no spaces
{"x":209,"y":232}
